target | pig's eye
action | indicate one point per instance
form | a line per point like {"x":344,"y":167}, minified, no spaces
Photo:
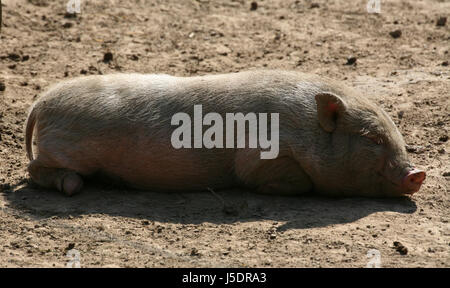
{"x":375,"y":139}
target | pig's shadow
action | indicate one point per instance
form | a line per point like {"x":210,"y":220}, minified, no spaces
{"x":191,"y":208}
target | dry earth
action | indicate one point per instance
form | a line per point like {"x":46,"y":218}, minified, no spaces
{"x":110,"y":226}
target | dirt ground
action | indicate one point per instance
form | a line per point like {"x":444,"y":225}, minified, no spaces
{"x":111,"y":226}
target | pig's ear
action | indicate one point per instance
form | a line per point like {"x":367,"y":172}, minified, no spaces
{"x":329,"y":108}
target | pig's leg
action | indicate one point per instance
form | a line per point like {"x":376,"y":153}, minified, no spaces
{"x":64,"y":180}
{"x":281,"y":176}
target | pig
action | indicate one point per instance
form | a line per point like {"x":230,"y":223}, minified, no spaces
{"x":332,"y":139}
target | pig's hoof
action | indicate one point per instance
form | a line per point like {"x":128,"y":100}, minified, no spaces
{"x":71,"y":184}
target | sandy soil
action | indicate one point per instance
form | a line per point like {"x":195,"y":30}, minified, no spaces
{"x":111,"y":226}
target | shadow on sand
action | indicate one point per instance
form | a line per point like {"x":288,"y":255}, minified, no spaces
{"x":227,"y":206}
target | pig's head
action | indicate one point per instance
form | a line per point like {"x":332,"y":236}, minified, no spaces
{"x":364,"y":153}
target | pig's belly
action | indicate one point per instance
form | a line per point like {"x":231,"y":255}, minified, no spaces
{"x":149,"y":165}
{"x":181,"y":170}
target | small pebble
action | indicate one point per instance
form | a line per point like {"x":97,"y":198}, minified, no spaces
{"x":194,"y":252}
{"x":351,"y":60}
{"x":400,"y":248}
{"x":67,"y":25}
{"x":70,"y":15}
{"x":70,"y":246}
{"x":396,"y":33}
{"x":108,"y":57}
{"x":415,"y":149}
{"x":441,"y":21}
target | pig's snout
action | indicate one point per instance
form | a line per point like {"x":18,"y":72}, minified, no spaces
{"x":413,"y":180}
